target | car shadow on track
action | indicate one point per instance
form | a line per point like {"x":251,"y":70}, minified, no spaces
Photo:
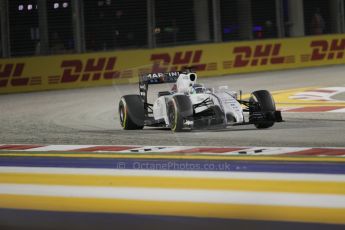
{"x":155,"y":130}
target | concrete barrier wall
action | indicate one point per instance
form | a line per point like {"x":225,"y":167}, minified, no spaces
{"x":118,"y":67}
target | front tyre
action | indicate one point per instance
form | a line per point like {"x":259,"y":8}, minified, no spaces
{"x":262,"y":102}
{"x":131,"y":112}
{"x":179,"y":108}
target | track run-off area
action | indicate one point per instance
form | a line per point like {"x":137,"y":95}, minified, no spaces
{"x":65,"y":162}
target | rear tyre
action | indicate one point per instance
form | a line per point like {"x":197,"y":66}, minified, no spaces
{"x":263,"y":102}
{"x":179,"y":108}
{"x":131,"y":112}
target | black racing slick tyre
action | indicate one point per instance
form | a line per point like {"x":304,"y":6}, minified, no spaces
{"x":131,"y":112}
{"x":179,"y":108}
{"x":263,"y":102}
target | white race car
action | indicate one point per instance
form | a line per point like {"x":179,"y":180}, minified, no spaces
{"x":189,"y":105}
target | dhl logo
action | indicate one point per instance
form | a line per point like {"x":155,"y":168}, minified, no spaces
{"x":93,"y":69}
{"x":323,"y":49}
{"x":12,"y":74}
{"x":258,"y":55}
{"x":164,"y":62}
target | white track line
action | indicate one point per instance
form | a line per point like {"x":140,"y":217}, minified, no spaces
{"x":158,"y":149}
{"x":269,"y":151}
{"x":337,"y":111}
{"x":182,"y":174}
{"x":59,"y":148}
{"x":179,"y":195}
{"x":316,"y":94}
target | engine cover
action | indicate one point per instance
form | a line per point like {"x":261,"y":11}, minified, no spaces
{"x":231,"y":107}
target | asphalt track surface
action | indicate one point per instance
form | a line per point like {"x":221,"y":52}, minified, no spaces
{"x":89,"y":115}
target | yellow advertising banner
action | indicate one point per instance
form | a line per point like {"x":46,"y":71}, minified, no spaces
{"x":118,"y":67}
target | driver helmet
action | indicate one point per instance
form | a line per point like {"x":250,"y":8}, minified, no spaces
{"x":197,"y":88}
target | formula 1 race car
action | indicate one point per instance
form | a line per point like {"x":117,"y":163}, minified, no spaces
{"x":193,"y":106}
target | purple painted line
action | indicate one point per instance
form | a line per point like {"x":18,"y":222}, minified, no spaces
{"x":178,"y":164}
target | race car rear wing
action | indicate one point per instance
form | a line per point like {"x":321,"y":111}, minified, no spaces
{"x":154,"y":78}
{"x":159,"y":78}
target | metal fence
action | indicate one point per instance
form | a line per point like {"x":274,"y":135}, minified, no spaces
{"x":42,"y":27}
